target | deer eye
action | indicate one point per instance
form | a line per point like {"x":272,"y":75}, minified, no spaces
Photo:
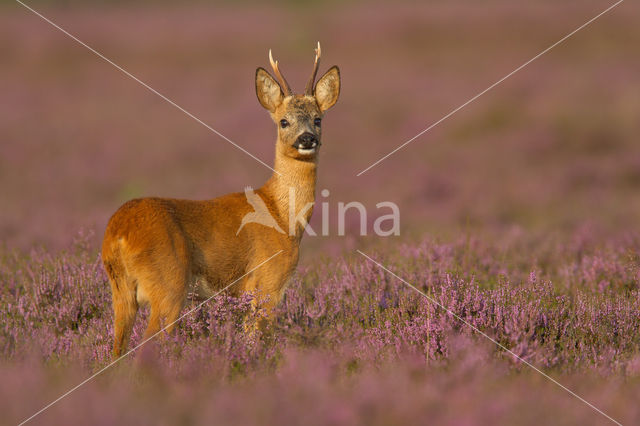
{"x":284,"y":123}
{"x":317,"y":122}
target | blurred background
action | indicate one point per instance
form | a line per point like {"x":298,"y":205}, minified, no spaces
{"x":552,"y":149}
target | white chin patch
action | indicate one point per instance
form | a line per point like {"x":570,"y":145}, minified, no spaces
{"x":306,"y":151}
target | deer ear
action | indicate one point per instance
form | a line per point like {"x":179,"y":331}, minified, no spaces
{"x":327,"y":89}
{"x":268,"y":90}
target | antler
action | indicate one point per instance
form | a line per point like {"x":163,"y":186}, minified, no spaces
{"x":309,"y":89}
{"x":283,"y":82}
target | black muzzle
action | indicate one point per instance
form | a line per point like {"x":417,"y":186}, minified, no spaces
{"x":306,"y":141}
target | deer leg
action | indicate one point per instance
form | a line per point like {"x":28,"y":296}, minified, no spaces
{"x":171,"y":313}
{"x":166,"y":301}
{"x":153,"y":327}
{"x":125,"y":308}
{"x":265,"y":300}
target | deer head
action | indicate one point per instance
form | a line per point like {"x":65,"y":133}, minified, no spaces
{"x":298,"y":116}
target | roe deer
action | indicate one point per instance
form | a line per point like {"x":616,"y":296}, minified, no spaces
{"x":155,"y":250}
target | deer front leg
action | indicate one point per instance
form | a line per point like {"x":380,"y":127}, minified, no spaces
{"x":265,"y":299}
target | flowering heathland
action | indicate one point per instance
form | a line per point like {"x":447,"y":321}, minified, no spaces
{"x":348,"y":328}
{"x":529,"y":196}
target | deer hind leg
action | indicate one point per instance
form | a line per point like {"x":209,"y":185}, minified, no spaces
{"x":171,"y":313}
{"x":163,"y":317}
{"x":153,"y":326}
{"x":125,"y":308}
{"x":166,"y":302}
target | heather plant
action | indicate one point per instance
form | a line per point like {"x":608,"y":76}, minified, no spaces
{"x":519,"y":214}
{"x":356,"y":319}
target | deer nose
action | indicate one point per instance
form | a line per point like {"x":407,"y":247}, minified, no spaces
{"x":306,"y":141}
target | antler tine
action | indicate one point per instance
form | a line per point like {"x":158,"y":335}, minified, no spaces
{"x":309,"y":88}
{"x":283,"y":81}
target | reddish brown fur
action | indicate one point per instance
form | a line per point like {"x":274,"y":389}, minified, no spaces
{"x":157,"y":249}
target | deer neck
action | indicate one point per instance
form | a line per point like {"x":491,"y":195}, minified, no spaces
{"x":296,"y":179}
